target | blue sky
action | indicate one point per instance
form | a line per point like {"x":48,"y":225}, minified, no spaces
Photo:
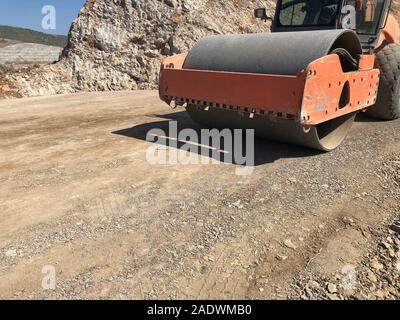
{"x":28,"y":13}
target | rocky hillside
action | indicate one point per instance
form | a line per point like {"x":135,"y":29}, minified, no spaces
{"x":118,"y":44}
{"x":29,"y":53}
{"x":31,"y":36}
{"x":6,"y":42}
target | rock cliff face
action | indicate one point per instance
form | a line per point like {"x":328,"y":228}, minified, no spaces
{"x":118,"y":44}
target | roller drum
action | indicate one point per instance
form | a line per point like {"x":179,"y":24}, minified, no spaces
{"x":284,"y":53}
{"x":324,"y":137}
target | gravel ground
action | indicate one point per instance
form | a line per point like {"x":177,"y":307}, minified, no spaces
{"x":77,"y":195}
{"x":377,"y":275}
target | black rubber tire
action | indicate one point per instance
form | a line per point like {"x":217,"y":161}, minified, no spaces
{"x":387,"y":106}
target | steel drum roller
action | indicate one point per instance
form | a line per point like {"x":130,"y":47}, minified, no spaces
{"x":285,"y":53}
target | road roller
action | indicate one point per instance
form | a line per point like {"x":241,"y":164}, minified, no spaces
{"x":303,"y":83}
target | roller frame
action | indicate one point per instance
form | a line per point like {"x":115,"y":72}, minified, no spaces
{"x":310,"y":98}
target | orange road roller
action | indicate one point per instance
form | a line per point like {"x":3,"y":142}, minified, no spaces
{"x":302,"y":83}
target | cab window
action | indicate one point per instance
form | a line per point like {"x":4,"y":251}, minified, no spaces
{"x":367,"y":15}
{"x":308,"y":12}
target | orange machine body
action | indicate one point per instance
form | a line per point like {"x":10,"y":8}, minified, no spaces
{"x":315,"y":95}
{"x":391,"y":32}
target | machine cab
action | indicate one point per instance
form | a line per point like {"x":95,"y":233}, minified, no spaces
{"x":366,"y":17}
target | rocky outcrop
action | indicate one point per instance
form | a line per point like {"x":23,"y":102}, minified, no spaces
{"x":118,"y":44}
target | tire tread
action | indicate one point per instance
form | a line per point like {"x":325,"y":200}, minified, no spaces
{"x":387,"y":106}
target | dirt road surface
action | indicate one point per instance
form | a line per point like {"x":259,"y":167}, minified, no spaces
{"x":78,"y":195}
